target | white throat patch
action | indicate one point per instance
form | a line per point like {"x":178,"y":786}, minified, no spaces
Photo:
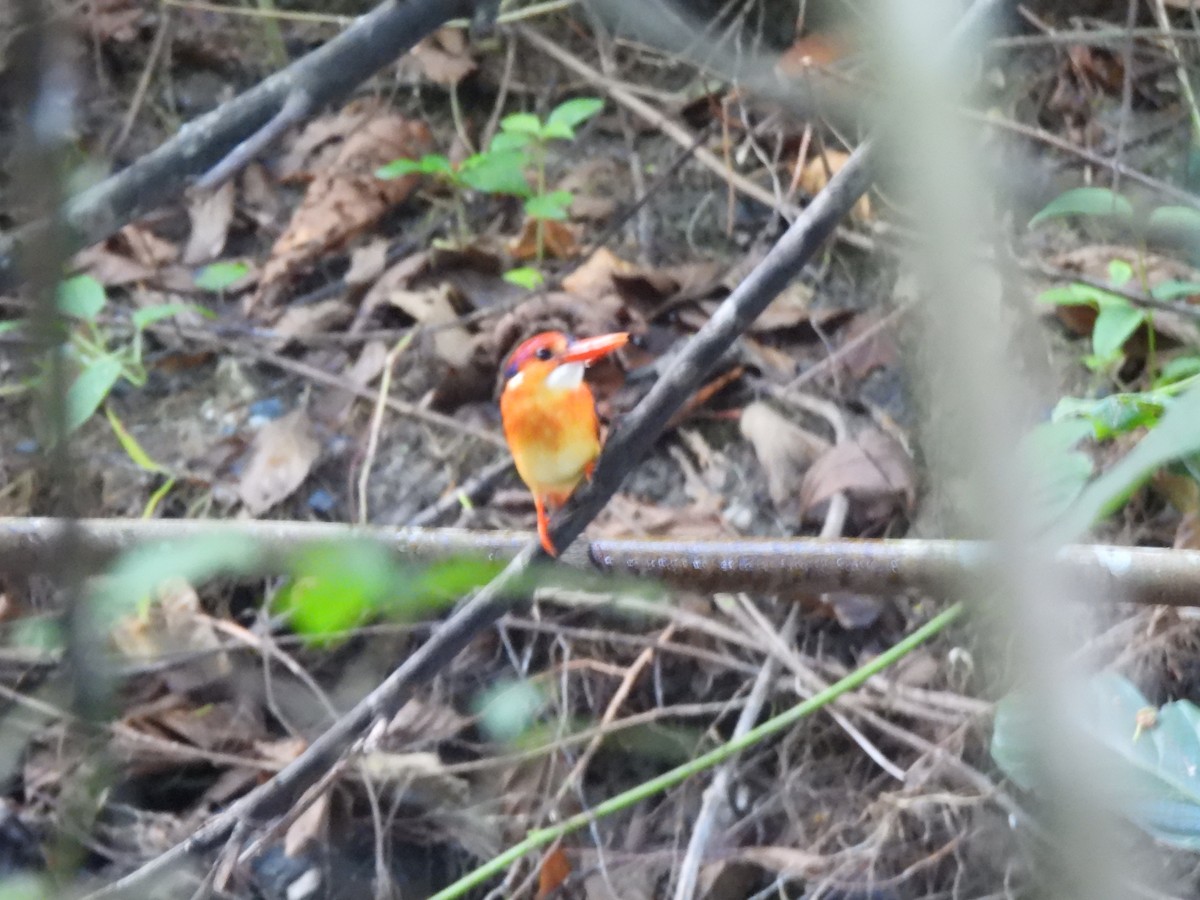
{"x":566,"y":376}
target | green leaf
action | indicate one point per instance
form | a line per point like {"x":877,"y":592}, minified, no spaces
{"x":13,"y":325}
{"x":1119,"y":272}
{"x":574,"y":112}
{"x":1178,"y":369}
{"x":502,"y":172}
{"x":430,"y":164}
{"x":521,"y":123}
{"x":549,"y":206}
{"x":81,"y":297}
{"x":526,"y":277}
{"x":1174,"y":437}
{"x":1173,"y":290}
{"x":335,"y":586}
{"x":130,"y":444}
{"x":1175,"y":221}
{"x":1116,"y":321}
{"x":509,"y":140}
{"x":398,"y":168}
{"x":1085,"y":201}
{"x":89,"y":389}
{"x":1115,"y":414}
{"x":1148,"y":760}
{"x":148,"y":315}
{"x":220,"y":276}
{"x":508,"y":709}
{"x":557,"y":132}
{"x":1073,"y":294}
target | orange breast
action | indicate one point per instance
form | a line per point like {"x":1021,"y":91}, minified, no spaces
{"x":553,"y":434}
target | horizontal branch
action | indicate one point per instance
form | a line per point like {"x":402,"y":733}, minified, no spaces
{"x":799,"y":566}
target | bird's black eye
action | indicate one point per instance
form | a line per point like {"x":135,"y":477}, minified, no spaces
{"x":543,"y":353}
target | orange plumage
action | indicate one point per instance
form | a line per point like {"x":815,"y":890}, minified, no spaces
{"x":549,"y":416}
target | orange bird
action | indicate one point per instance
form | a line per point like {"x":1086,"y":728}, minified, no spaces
{"x":549,"y":416}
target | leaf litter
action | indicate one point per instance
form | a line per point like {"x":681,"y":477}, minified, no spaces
{"x":315,"y":215}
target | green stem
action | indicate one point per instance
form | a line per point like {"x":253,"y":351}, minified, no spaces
{"x":541,"y":837}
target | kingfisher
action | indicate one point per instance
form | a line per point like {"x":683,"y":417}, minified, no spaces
{"x":549,"y":416}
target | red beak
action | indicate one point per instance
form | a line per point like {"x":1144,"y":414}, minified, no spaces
{"x":589,"y":350}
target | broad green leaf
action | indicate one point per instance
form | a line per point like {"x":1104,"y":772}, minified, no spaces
{"x":1148,"y":759}
{"x":13,"y":325}
{"x":220,"y":276}
{"x":526,"y":277}
{"x":89,"y":389}
{"x":1085,"y":201}
{"x":148,"y":315}
{"x":1173,"y":290}
{"x":1116,"y":321}
{"x":1175,"y":436}
{"x":81,"y":297}
{"x":509,"y":140}
{"x":549,"y":206}
{"x":398,"y":168}
{"x":501,"y":172}
{"x":521,"y":123}
{"x":574,"y":112}
{"x":130,"y":444}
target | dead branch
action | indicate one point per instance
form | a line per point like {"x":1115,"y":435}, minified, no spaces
{"x":786,"y":567}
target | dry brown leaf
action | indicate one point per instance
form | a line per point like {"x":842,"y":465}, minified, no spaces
{"x":418,"y":720}
{"x":111,"y":269}
{"x":554,"y":872}
{"x":281,"y":457}
{"x":817,"y":172}
{"x":876,"y":352}
{"x":147,"y":247}
{"x":422,"y":775}
{"x":445,"y":56}
{"x":367,"y":263}
{"x":211,"y":214}
{"x":560,"y":240}
{"x":872,"y":469}
{"x":346,"y":198}
{"x":174,"y":624}
{"x":311,"y":318}
{"x":594,"y":277}
{"x":785,"y":451}
{"x":436,"y":306}
{"x":788,"y":861}
{"x":308,"y":828}
{"x":790,"y":308}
